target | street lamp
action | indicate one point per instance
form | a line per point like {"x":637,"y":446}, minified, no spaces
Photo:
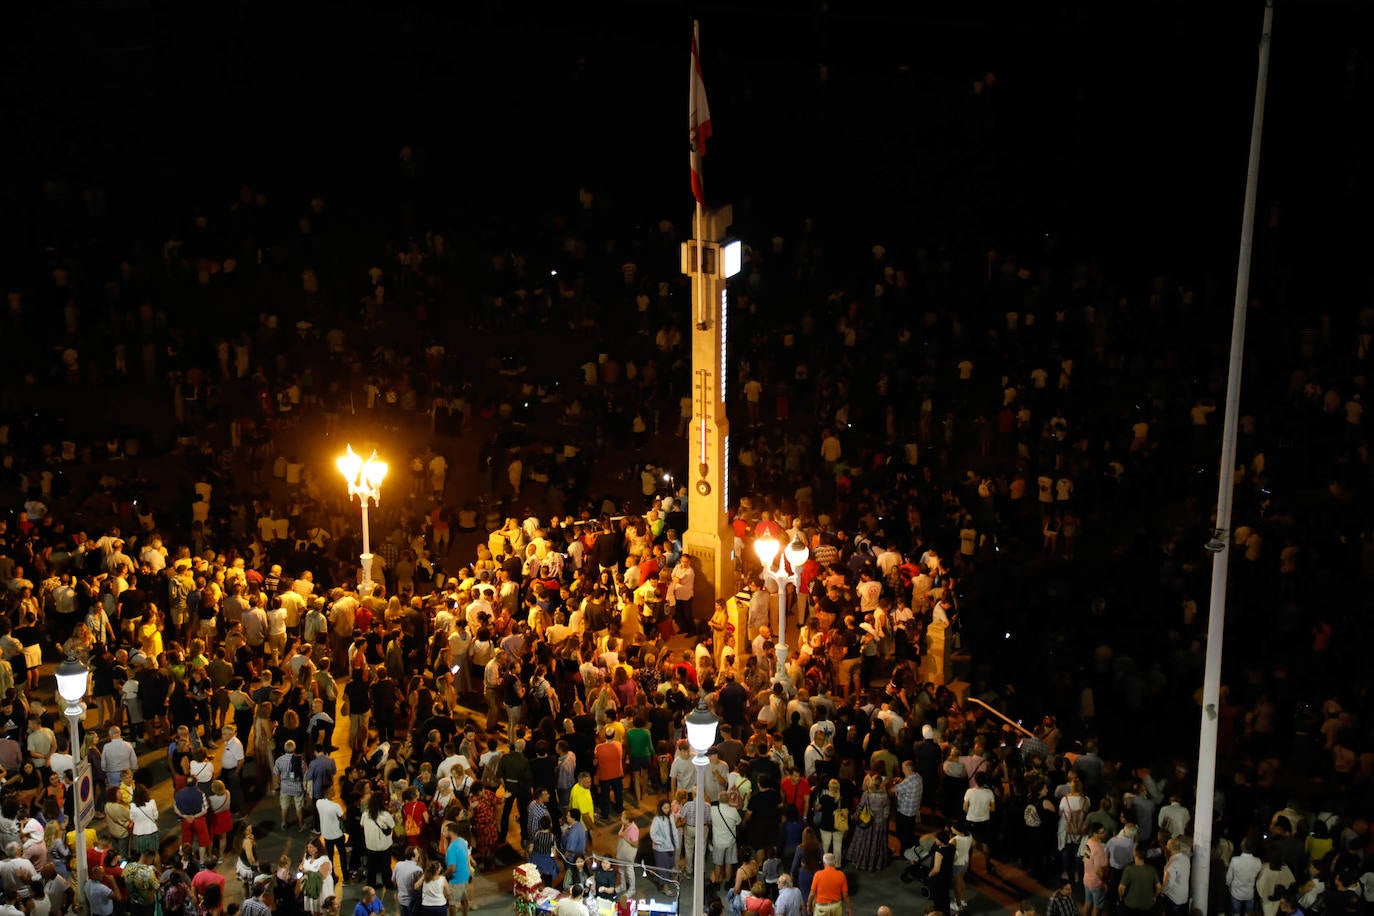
{"x":364,"y":479}
{"x":701,"y":734}
{"x":71,"y":687}
{"x":795,"y":554}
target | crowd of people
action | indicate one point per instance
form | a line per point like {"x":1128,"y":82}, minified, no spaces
{"x":1012,"y":449}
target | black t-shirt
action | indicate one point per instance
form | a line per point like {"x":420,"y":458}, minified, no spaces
{"x":733,"y":698}
{"x":131,"y":604}
{"x":358,"y":696}
{"x":510,"y":688}
{"x":660,"y":723}
{"x":384,"y":696}
{"x":102,"y":677}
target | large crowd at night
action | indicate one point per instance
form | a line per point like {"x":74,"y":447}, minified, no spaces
{"x":1006,"y":455}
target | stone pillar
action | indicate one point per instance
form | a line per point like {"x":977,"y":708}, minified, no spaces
{"x":709,"y":538}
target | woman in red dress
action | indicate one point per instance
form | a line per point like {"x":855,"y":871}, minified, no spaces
{"x":484,"y":832}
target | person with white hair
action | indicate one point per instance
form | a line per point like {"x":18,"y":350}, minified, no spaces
{"x":830,"y":891}
{"x":790,"y":900}
{"x":117,"y":756}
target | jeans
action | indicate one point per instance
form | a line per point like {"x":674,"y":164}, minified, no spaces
{"x":513,"y":717}
{"x":611,"y":796}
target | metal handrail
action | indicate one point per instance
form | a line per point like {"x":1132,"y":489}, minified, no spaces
{"x":1016,"y":725}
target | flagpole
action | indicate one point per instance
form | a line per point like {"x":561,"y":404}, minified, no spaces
{"x":1220,"y":544}
{"x":701,"y":308}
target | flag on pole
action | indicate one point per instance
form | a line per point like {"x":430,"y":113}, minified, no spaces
{"x":699,"y":121}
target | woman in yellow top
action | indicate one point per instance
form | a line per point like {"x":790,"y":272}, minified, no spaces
{"x":720,"y":628}
{"x":150,"y":633}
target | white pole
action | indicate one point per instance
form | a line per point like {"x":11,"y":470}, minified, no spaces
{"x":1221,"y":544}
{"x":699,"y":853}
{"x":75,"y":712}
{"x":366,"y":557}
{"x":781,"y":649}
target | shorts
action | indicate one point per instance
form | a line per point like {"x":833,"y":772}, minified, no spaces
{"x":287,"y":801}
{"x":1095,"y":896}
{"x":724,"y":855}
{"x":640,"y":764}
{"x":981,"y":831}
{"x":959,"y":869}
{"x":197,"y":829}
{"x":146,"y":842}
{"x":457,"y":891}
{"x":828,"y":909}
{"x":1242,"y":906}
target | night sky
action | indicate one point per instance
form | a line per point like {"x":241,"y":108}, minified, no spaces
{"x":1119,"y":129}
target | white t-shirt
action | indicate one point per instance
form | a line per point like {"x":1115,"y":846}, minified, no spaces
{"x":979,"y":801}
{"x":331,"y":818}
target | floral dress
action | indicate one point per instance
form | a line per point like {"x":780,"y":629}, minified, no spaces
{"x":868,"y":850}
{"x":484,"y":832}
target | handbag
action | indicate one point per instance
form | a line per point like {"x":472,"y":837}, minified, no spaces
{"x":842,"y":819}
{"x":865,"y":815}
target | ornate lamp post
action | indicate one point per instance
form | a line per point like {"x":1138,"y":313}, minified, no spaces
{"x":796,"y":554}
{"x":364,"y":479}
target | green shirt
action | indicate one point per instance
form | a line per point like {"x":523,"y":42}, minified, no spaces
{"x":1139,"y":883}
{"x":141,"y":882}
{"x":640,"y":742}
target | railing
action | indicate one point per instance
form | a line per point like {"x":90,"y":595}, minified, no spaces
{"x":1016,"y":725}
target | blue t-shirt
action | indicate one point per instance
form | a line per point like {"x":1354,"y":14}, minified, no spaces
{"x":367,"y":909}
{"x":457,"y":857}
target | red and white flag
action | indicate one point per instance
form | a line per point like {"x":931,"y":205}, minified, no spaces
{"x":699,"y":121}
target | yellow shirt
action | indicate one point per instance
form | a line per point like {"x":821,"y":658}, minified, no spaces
{"x":150,"y":638}
{"x":580,"y":800}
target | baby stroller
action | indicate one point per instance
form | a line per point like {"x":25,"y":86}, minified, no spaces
{"x":919,"y":860}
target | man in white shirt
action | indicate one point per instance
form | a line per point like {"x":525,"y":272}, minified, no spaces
{"x":1174,"y":818}
{"x":293,"y":604}
{"x":17,"y":873}
{"x":1240,"y":880}
{"x":118,"y":756}
{"x":230,"y":763}
{"x":330,"y":814}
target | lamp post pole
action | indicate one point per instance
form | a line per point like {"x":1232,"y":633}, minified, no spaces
{"x":71,"y":687}
{"x":787,"y":573}
{"x":364,"y":479}
{"x":701,"y":734}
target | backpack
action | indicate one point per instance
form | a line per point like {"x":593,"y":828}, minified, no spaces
{"x":1076,"y":819}
{"x":491,"y":775}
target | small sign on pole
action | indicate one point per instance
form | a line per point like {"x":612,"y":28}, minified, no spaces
{"x":85,"y":793}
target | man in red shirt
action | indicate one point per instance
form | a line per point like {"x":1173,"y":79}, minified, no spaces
{"x":830,"y":891}
{"x":204,"y":878}
{"x":796,"y":790}
{"x":610,"y":776}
